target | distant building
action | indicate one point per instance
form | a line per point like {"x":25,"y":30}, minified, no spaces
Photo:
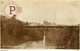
{"x":46,"y":23}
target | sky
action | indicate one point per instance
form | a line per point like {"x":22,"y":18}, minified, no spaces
{"x":55,"y":11}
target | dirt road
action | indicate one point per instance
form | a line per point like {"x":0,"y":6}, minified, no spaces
{"x":30,"y":45}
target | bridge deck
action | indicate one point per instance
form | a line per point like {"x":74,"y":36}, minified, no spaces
{"x":51,"y":26}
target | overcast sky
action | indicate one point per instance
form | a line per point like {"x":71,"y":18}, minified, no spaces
{"x":58,"y":11}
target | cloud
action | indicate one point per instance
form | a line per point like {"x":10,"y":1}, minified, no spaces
{"x":58,"y":11}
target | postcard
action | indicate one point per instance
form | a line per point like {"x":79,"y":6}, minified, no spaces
{"x":39,"y":24}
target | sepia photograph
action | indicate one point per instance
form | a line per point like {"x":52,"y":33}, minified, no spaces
{"x":39,"y":24}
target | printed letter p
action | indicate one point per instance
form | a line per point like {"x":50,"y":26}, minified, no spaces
{"x":12,"y":8}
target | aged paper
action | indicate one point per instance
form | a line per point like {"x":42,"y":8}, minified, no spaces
{"x":39,"y":24}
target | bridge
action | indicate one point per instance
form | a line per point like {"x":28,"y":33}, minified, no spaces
{"x":50,"y":27}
